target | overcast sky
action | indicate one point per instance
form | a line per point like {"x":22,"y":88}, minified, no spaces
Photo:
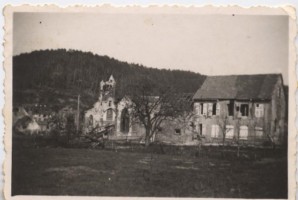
{"x":208,"y":44}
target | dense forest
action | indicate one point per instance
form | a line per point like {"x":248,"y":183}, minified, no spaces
{"x":58,"y":76}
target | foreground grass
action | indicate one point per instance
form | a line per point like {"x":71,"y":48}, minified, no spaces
{"x":60,"y":171}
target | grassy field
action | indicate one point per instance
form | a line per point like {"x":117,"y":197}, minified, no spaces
{"x":62,"y":171}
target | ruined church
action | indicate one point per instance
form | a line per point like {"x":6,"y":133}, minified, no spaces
{"x":108,"y":112}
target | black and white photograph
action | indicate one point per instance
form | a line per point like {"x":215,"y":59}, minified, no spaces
{"x":150,"y":102}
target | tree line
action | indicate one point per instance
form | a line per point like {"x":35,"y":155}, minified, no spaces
{"x":78,"y":72}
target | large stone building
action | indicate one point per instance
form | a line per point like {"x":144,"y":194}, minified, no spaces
{"x":246,"y":107}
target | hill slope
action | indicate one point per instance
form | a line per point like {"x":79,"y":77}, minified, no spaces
{"x":58,"y":76}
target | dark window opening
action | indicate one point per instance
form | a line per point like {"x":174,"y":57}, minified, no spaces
{"x":275,"y":125}
{"x":200,"y":129}
{"x":110,"y":103}
{"x":237,"y":108}
{"x":214,"y":109}
{"x":107,"y":87}
{"x":244,"y":109}
{"x":231,"y":108}
{"x":202,"y":108}
{"x":178,"y":131}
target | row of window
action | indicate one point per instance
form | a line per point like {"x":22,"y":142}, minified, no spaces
{"x":211,"y":109}
{"x":216,"y":131}
{"x":208,"y":109}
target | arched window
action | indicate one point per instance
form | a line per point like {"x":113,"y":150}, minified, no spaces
{"x":124,"y":125}
{"x":110,"y":114}
{"x":90,"y":121}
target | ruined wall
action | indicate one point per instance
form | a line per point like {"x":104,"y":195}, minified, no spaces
{"x":123,"y":104}
{"x":98,"y":115}
{"x":278,"y":125}
{"x":177,"y":131}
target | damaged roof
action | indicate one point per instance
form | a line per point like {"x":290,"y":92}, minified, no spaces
{"x":241,"y":87}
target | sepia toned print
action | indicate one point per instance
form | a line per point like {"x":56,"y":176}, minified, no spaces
{"x":152,"y":102}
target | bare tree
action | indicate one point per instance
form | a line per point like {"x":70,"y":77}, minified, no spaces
{"x":238,"y":137}
{"x":223,"y":122}
{"x":151,"y":106}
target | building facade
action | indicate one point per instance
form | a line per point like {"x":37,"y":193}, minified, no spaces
{"x":246,"y":109}
{"x":243,"y":108}
{"x":107,"y":111}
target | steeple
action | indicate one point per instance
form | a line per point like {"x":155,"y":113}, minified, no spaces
{"x":107,"y":88}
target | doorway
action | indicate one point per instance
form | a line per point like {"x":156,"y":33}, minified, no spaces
{"x":124,"y":124}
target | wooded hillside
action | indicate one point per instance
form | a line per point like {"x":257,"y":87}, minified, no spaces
{"x":58,"y":76}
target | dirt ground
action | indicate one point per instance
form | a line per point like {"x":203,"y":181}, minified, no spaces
{"x":94,"y":172}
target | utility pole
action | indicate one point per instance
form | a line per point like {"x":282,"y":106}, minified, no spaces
{"x":78,"y":115}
